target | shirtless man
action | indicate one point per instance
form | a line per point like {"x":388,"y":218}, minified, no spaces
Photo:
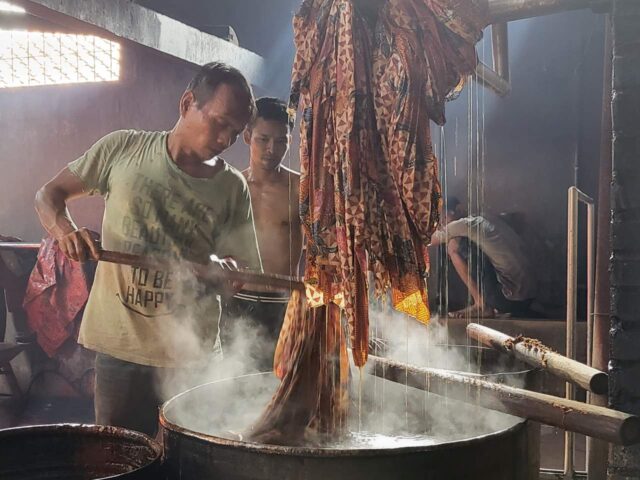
{"x":274,"y":198}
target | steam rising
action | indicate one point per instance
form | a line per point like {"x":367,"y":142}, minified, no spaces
{"x":382,"y":414}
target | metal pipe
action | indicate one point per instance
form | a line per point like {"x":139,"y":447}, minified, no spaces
{"x":590,"y":297}
{"x":500,"y":49}
{"x":575,"y":196}
{"x":590,"y":278}
{"x":572,"y":279}
{"x":19,"y":246}
{"x":509,"y":10}
{"x":552,"y":474}
{"x":488,"y":78}
{"x":582,"y":197}
{"x":597,"y":450}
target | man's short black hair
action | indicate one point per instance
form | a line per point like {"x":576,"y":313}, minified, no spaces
{"x":211,"y":76}
{"x":271,"y":108}
{"x":451,"y":204}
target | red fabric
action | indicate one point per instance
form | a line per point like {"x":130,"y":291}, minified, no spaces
{"x":57,"y":292}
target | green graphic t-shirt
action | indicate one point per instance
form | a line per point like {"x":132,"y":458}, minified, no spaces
{"x":162,"y":318}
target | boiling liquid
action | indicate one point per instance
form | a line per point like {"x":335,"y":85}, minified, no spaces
{"x":370,"y":440}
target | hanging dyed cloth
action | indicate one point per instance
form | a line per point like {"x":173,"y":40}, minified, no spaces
{"x":424,"y":51}
{"x":369,"y":189}
{"x":369,"y":193}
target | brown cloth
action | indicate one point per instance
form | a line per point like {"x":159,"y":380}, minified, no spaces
{"x":312,"y":362}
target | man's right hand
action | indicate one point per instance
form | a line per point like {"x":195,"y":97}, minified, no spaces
{"x":79,"y":245}
{"x":51,"y":205}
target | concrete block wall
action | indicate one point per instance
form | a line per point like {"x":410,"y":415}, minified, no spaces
{"x":624,"y":366}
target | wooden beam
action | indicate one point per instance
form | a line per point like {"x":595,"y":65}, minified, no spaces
{"x":126,"y":20}
{"x":509,"y":10}
{"x":594,"y":421}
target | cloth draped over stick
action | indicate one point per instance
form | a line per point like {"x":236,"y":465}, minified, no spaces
{"x":368,"y":87}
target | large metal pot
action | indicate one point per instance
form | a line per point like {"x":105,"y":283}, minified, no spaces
{"x":197,"y":445}
{"x":77,"y":452}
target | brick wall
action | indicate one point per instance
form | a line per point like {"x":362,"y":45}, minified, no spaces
{"x":625,"y":266}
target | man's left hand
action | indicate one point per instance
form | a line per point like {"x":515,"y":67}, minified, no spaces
{"x":229,"y":289}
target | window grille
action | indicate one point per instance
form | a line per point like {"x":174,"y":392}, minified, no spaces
{"x":38,"y":58}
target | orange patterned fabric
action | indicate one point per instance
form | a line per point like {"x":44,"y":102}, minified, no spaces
{"x":369,"y":192}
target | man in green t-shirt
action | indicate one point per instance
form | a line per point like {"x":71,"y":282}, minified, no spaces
{"x":167,"y":194}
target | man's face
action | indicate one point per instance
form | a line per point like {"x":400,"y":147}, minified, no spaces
{"x":213,"y":127}
{"x":268,"y":142}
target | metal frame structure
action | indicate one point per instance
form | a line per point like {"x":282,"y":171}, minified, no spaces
{"x":575,"y":197}
{"x":502,"y":11}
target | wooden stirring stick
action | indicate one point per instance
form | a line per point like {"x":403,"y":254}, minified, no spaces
{"x":210,"y":273}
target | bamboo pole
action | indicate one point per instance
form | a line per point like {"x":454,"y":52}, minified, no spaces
{"x":535,"y":353}
{"x":599,"y":422}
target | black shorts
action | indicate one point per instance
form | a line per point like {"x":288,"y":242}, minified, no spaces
{"x":262,"y":311}
{"x":127,"y":394}
{"x":484,"y":274}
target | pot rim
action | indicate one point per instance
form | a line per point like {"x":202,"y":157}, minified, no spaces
{"x":91,"y":430}
{"x":302,"y":451}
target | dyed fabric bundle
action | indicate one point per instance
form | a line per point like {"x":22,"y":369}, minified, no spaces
{"x":368,"y":86}
{"x":312,"y":362}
